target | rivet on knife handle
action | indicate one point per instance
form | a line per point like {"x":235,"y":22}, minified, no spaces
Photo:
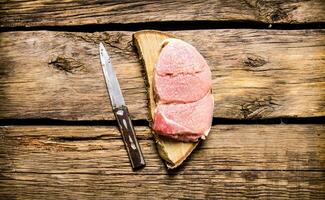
{"x":129,"y":138}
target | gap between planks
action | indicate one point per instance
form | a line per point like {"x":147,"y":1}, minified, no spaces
{"x":139,"y":122}
{"x":169,"y":26}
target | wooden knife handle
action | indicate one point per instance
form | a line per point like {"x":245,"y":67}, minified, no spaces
{"x":129,"y":137}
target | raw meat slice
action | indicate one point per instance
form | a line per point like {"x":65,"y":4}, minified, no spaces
{"x":182,"y":87}
{"x":186,"y":122}
{"x":179,"y":57}
{"x":181,"y":73}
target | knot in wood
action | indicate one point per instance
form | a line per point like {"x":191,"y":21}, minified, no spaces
{"x":258,"y":108}
{"x":66,"y":64}
{"x":278,"y":15}
{"x":254,"y":61}
{"x":272,"y":11}
{"x":250,"y":176}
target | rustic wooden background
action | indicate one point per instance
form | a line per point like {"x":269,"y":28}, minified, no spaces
{"x":58,"y":137}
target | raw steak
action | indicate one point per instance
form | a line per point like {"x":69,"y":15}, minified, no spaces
{"x":187,"y":121}
{"x":181,"y":73}
{"x":182,"y":82}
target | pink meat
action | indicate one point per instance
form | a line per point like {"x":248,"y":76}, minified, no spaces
{"x":182,"y":88}
{"x":182,"y":82}
{"x":187,"y":122}
{"x":181,"y":73}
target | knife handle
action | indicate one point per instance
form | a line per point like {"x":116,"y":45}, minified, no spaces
{"x":129,"y":137}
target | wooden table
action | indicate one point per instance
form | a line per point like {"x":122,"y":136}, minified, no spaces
{"x":58,"y":136}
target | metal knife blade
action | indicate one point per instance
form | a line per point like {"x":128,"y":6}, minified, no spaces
{"x":112,"y":83}
{"x":120,"y":111}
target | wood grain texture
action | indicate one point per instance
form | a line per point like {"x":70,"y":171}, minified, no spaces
{"x":78,"y":162}
{"x":58,"y":75}
{"x":256,"y":73}
{"x":217,"y":185}
{"x":68,"y":13}
{"x":148,"y":44}
{"x":79,"y":149}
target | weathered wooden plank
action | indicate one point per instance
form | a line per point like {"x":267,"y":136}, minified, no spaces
{"x":67,"y":13}
{"x":75,"y":162}
{"x":216,"y":185}
{"x":100,"y":150}
{"x":256,"y":73}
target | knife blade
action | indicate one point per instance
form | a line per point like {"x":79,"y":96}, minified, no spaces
{"x":121,"y":111}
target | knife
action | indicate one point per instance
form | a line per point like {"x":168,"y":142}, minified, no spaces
{"x":121,"y":111}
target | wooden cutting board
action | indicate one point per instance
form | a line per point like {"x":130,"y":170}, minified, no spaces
{"x":148,"y":43}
